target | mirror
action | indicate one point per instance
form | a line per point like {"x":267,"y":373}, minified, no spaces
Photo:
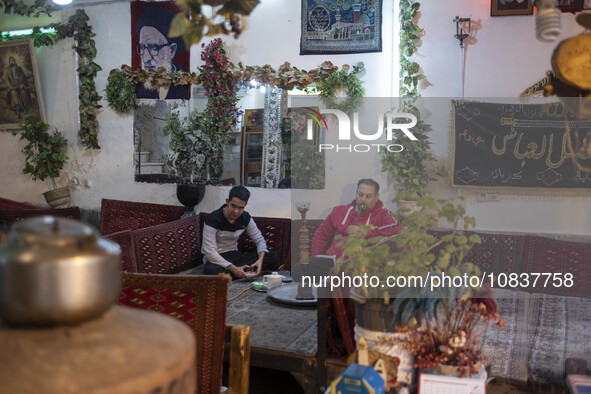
{"x":267,"y":147}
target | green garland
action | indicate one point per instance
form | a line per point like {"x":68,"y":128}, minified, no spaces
{"x":40,"y":38}
{"x":343,"y":80}
{"x":18,"y":7}
{"x":120,"y":93}
{"x":78,"y":28}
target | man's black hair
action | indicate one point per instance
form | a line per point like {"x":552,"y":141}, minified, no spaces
{"x":369,"y":182}
{"x":239,"y":192}
{"x":159,"y":18}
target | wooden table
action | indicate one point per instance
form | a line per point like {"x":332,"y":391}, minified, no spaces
{"x":282,"y":337}
{"x":122,"y":351}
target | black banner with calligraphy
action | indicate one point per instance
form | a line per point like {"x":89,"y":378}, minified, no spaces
{"x":520,"y":146}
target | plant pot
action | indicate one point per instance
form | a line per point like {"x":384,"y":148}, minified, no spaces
{"x":58,"y":197}
{"x":373,"y":314}
{"x":455,"y":371}
{"x":189,"y":195}
{"x":391,"y":345}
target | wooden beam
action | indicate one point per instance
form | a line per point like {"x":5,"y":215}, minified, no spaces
{"x":239,"y":359}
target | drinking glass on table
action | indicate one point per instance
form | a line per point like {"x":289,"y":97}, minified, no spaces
{"x":250,"y":272}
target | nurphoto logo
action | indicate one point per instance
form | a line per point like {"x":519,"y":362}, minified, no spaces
{"x":344,"y":127}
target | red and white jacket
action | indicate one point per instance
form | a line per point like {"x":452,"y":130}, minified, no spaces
{"x":343,"y":216}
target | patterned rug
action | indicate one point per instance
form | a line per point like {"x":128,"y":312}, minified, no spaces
{"x":547,"y":255}
{"x":507,"y":347}
{"x":560,"y":330}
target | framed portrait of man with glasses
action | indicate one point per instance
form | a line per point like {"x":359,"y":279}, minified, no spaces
{"x":152,"y":48}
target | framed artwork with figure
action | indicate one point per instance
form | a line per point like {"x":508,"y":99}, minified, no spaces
{"x":570,"y":5}
{"x":20,"y":90}
{"x":152,"y":48}
{"x":511,"y":7}
{"x":587,"y":5}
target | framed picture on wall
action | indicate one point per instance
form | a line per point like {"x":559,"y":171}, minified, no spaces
{"x":20,"y":90}
{"x":570,"y":5}
{"x":151,"y":47}
{"x":511,"y":7}
{"x":587,"y":4}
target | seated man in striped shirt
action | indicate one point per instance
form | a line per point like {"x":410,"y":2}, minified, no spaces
{"x":221,"y":231}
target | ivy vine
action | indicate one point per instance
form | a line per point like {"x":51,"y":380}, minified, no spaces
{"x":415,"y":166}
{"x":20,"y":7}
{"x":78,"y":28}
{"x":347,"y":81}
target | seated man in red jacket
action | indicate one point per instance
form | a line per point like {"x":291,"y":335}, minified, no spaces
{"x":366,"y":209}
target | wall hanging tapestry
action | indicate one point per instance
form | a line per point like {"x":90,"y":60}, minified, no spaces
{"x":152,"y":48}
{"x":498,"y":146}
{"x":20,"y":91}
{"x":341,"y":26}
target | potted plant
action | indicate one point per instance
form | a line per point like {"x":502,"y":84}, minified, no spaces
{"x":415,"y":251}
{"x":411,"y":257}
{"x":45,"y":156}
{"x":195,"y":151}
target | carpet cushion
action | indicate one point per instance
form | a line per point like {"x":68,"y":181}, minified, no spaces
{"x":6,"y":204}
{"x":199,"y":301}
{"x":547,"y":255}
{"x":119,"y":215}
{"x":497,"y":253}
{"x":128,"y":259}
{"x":167,"y":248}
{"x":11,"y":216}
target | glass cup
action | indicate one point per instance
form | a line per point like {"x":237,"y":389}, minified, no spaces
{"x":250,"y":272}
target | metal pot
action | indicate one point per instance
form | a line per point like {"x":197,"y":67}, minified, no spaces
{"x":57,"y":271}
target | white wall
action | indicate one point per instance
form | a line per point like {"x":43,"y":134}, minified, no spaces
{"x":505,"y":59}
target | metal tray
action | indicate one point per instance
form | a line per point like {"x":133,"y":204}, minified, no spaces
{"x":287,"y":294}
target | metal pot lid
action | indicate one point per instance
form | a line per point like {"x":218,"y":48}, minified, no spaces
{"x":52,"y":231}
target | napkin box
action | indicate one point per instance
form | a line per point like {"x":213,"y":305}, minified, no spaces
{"x":358,"y":379}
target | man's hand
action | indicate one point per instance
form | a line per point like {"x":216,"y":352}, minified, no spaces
{"x":238,"y":272}
{"x":354,"y":231}
{"x":258,"y":266}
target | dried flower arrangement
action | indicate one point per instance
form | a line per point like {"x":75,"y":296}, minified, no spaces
{"x":454,"y":336}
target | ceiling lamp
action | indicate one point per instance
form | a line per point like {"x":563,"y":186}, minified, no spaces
{"x":62,"y":2}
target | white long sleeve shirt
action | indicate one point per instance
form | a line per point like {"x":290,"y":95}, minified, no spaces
{"x":221,"y":236}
